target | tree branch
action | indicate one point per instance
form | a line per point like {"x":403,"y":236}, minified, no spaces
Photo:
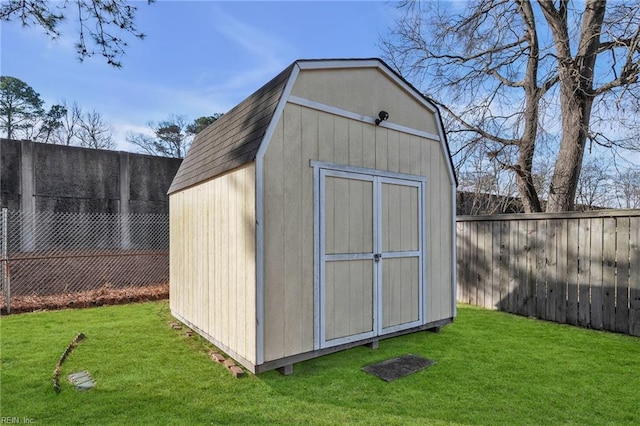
{"x":476,"y":129}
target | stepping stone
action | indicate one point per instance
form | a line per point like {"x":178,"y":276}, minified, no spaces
{"x":236,"y":371}
{"x":82,"y":380}
{"x":217,"y":357}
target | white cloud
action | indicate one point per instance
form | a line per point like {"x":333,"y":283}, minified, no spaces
{"x":265,"y":52}
{"x":257,"y":59}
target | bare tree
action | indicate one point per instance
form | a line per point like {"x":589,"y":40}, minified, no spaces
{"x":94,"y":132}
{"x":484,"y":188}
{"x":594,"y":189}
{"x":68,"y":132}
{"x":505,"y":71}
{"x":168,"y":138}
{"x":628,"y":188}
{"x":79,"y":128}
{"x":171,"y":137}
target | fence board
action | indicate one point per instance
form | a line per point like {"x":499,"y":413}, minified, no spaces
{"x":473,"y":264}
{"x":561,"y":287}
{"x":460,"y":261}
{"x":463,"y":256}
{"x":552,"y":263}
{"x":571,"y":253}
{"x":530,"y":300}
{"x":622,"y":277}
{"x":578,"y":268}
{"x":495,"y":261}
{"x":463,"y":274}
{"x":521,"y":253}
{"x":481,"y":271}
{"x":597,"y":228}
{"x":530,"y":277}
{"x":487,"y":266}
{"x":634,"y":274}
{"x":609,"y":274}
{"x":504,"y":263}
{"x":512,"y":304}
{"x":544,"y":257}
{"x":584,"y":265}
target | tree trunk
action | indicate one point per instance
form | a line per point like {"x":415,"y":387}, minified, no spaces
{"x":524,"y":178}
{"x":575,"y":122}
{"x":527,"y":145}
{"x":576,"y":95}
{"x":9,"y":124}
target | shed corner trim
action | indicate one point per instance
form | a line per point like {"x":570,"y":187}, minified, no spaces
{"x":260,"y":212}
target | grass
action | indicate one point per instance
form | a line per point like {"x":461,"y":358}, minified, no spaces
{"x":493,"y":368}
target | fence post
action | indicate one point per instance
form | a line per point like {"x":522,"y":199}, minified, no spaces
{"x":6,"y":277}
{"x":125,"y":231}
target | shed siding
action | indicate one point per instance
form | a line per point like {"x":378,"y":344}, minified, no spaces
{"x":439,"y":213}
{"x":366,"y":91}
{"x":212,"y":261}
{"x":304,"y":134}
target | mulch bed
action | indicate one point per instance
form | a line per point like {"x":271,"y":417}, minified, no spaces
{"x":85,"y":299}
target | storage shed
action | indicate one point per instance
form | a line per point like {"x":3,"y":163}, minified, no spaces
{"x":316,"y":215}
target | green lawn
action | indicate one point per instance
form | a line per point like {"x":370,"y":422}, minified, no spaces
{"x":493,"y":368}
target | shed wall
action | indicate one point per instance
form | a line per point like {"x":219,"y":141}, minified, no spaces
{"x":304,"y":134}
{"x":212,"y":260}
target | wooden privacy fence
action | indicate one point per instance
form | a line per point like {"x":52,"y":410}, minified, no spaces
{"x":574,"y":268}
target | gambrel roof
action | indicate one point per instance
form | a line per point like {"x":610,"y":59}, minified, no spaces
{"x":235,"y":138}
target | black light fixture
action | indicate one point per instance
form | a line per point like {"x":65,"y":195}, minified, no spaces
{"x":382,"y":115}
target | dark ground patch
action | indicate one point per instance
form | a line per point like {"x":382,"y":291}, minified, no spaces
{"x":396,"y":368}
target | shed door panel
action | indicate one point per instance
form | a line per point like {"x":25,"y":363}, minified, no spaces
{"x":401,"y":236}
{"x":400,"y":221}
{"x":348,"y":267}
{"x":348,"y":216}
{"x":371,"y":245}
{"x":349,"y":298}
{"x":400,"y":291}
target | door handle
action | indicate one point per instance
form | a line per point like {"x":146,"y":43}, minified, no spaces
{"x":377,"y":257}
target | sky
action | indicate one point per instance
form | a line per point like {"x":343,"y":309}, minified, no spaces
{"x":198,"y":57}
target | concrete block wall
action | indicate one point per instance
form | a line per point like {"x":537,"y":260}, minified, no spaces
{"x":65,"y":179}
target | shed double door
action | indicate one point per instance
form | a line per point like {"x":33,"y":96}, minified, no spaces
{"x":371,"y":256}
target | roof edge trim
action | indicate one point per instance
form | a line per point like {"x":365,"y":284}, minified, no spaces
{"x":284,"y":97}
{"x":319,"y":64}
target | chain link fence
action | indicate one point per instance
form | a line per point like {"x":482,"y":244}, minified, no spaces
{"x":53,"y":260}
